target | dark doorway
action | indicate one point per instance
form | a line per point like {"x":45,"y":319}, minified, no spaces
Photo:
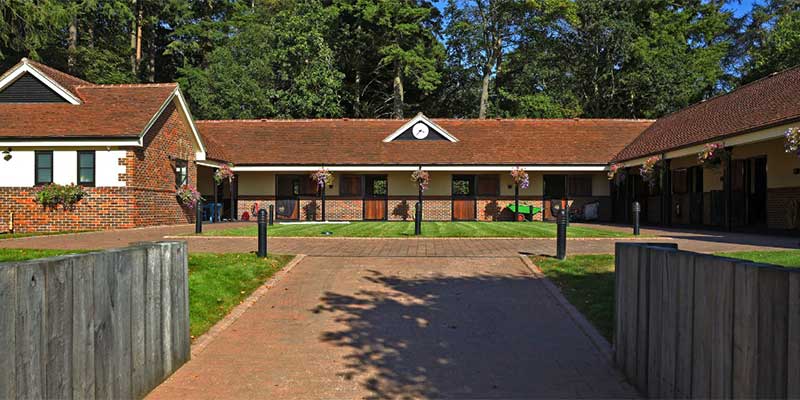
{"x":555,"y":193}
{"x":464,"y":204}
{"x":749,"y":193}
{"x":288,"y":189}
{"x":695,"y":176}
{"x":376,"y":195}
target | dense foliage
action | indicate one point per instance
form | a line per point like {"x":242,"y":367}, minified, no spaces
{"x":393,"y":58}
{"x":53,"y":195}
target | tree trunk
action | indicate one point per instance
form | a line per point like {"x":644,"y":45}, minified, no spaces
{"x":487,"y":74}
{"x":398,"y":91}
{"x":134,"y":30}
{"x":151,"y":55}
{"x":357,"y":94}
{"x":72,"y":47}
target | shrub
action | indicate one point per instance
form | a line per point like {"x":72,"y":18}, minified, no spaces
{"x":54,"y":194}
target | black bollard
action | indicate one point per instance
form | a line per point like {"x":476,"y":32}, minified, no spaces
{"x":637,"y":209}
{"x":561,"y":234}
{"x":417,"y":219}
{"x":262,"y":233}
{"x":198,"y":217}
{"x":271,"y":214}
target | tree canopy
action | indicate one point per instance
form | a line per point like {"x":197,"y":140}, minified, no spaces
{"x":392,"y":58}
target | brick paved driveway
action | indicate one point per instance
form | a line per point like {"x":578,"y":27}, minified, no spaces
{"x":370,"y":327}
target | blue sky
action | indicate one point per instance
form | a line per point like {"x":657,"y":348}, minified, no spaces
{"x":741,"y":8}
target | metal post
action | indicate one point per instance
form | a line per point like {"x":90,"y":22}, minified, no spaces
{"x":637,"y":209}
{"x":198,"y":217}
{"x":323,"y":202}
{"x":271,"y":214}
{"x":262,"y":233}
{"x":516,"y":202}
{"x":418,"y":219}
{"x":561,"y":237}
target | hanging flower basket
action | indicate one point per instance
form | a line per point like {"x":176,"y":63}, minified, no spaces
{"x":649,"y":170}
{"x":713,"y":155}
{"x":322,"y":177}
{"x":54,"y":194}
{"x":614,"y":170}
{"x":421,"y":178}
{"x":225,"y":172}
{"x":520,"y":177}
{"x":188,"y":196}
{"x":792,"y":144}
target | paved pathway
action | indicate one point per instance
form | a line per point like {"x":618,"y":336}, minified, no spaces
{"x":700,"y":241}
{"x":343,"y":328}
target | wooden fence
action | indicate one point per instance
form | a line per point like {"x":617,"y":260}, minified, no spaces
{"x":110,"y":324}
{"x":696,"y":326}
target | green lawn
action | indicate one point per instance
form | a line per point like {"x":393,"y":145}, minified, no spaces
{"x":429,"y":229}
{"x":786,"y":258}
{"x":217,"y":282}
{"x":587,"y":281}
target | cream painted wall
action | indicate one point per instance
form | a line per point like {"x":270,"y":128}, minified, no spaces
{"x":400,"y":184}
{"x":779,"y":163}
{"x":19,"y":171}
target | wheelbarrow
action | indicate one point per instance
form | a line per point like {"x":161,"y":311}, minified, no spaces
{"x":525,"y":211}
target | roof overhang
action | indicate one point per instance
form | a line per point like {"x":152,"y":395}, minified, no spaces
{"x":23,"y":67}
{"x":762,"y":135}
{"x":394,"y":167}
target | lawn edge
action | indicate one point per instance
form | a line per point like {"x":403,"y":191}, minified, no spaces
{"x":193,"y":236}
{"x":598,"y":340}
{"x":199,"y":344}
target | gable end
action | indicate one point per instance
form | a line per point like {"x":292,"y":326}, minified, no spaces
{"x":408,"y":134}
{"x":28,"y":89}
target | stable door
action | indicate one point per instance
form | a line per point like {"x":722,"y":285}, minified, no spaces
{"x":376,"y":197}
{"x":464,"y":203}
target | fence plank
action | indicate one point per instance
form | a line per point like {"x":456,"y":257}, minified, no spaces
{"x":166,"y":308}
{"x":103,"y":329}
{"x":176,"y":322}
{"x":669,"y":325}
{"x":631,"y":311}
{"x":642,"y":320}
{"x":772,"y":330}
{"x":183,"y":283}
{"x":720,"y":272}
{"x":8,"y":312}
{"x":618,"y":338}
{"x":121,"y":323}
{"x":83,"y":327}
{"x":58,"y":328}
{"x":30,"y":338}
{"x":137,"y":267}
{"x":701,"y":332}
{"x":153,"y":341}
{"x":683,"y":262}
{"x":745,"y":330}
{"x":793,"y":343}
{"x":656,"y":260}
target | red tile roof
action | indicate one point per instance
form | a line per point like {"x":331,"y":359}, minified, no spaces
{"x":105,"y":111}
{"x":767,"y":102}
{"x":360,"y":142}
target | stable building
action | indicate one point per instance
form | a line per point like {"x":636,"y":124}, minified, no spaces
{"x":132,"y":146}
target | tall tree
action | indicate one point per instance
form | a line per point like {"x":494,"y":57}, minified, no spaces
{"x":274,"y":63}
{"x":405,"y":36}
{"x":771,"y":39}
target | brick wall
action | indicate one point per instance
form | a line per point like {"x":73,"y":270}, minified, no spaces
{"x":152,"y":181}
{"x":102,"y":208}
{"x":344,"y":209}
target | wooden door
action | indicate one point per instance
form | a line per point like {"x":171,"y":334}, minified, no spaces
{"x":375,"y":209}
{"x":463,"y":209}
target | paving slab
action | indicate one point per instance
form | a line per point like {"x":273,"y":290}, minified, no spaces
{"x":398,"y":327}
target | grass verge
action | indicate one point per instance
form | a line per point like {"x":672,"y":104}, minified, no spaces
{"x":785,"y":258}
{"x":217,"y":282}
{"x":587,"y":281}
{"x":399,"y":229}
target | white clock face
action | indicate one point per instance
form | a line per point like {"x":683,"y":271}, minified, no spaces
{"x":420,"y":130}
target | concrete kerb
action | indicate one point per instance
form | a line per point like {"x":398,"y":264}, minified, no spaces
{"x":584,"y":325}
{"x":205,"y":339}
{"x":189,"y":236}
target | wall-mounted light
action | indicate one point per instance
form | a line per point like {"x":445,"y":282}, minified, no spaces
{"x":7,"y":154}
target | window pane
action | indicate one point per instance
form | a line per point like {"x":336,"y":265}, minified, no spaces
{"x":86,"y":160}
{"x":379,"y":187}
{"x":45,"y":175}
{"x":461,"y":187}
{"x":181,"y":173}
{"x":44,"y":160}
{"x":86,"y":175}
